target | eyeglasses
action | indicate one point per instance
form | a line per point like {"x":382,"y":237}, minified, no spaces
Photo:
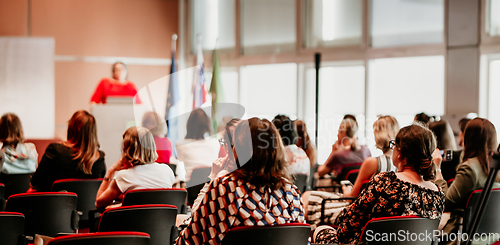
{"x":392,"y":144}
{"x":221,"y":142}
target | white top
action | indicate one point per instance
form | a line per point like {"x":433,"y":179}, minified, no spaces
{"x":148,"y":176}
{"x":197,"y":153}
{"x":21,"y":160}
{"x":297,"y":159}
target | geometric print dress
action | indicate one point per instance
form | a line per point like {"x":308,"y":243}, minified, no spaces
{"x":231,"y":202}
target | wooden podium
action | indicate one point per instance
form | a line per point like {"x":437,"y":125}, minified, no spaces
{"x":113,"y":119}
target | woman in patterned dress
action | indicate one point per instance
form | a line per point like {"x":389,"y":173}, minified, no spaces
{"x":258,"y":193}
{"x":408,"y":192}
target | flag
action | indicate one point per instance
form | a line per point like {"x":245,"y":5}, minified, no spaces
{"x":171,"y":112}
{"x":199,"y":87}
{"x":216,"y":88}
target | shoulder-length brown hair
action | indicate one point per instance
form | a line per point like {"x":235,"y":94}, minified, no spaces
{"x":480,"y":138}
{"x":11,"y":130}
{"x":82,"y":138}
{"x":260,"y":154}
{"x":304,"y":141}
{"x":198,"y":125}
{"x":139,"y":146}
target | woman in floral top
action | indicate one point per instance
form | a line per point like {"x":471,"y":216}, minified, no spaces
{"x":259,"y":192}
{"x":408,"y":192}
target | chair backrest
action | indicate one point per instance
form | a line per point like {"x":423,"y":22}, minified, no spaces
{"x":290,"y":234}
{"x":156,"y":220}
{"x":103,"y":238}
{"x":86,"y":189}
{"x":11,"y":228}
{"x":2,"y":197}
{"x":196,"y":182}
{"x":352,"y":175}
{"x":346,"y":168}
{"x":377,"y":228}
{"x":490,"y":223}
{"x":300,"y":180}
{"x":15,"y":183}
{"x":46,"y":213}
{"x":168,"y":196}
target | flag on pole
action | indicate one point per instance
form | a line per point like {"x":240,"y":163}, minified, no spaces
{"x":199,"y":87}
{"x":171,"y":112}
{"x":216,"y":88}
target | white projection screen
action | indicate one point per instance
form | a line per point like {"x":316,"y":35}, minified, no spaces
{"x":27,"y":85}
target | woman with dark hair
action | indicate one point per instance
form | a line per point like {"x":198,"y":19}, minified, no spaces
{"x":480,"y":140}
{"x":393,"y":194}
{"x":17,"y":157}
{"x":346,"y":149}
{"x":444,"y":135}
{"x":198,"y":149}
{"x":116,"y":86}
{"x":304,"y":142}
{"x":258,"y":193}
{"x":79,"y":157}
{"x":297,"y":158}
{"x":136,"y":169}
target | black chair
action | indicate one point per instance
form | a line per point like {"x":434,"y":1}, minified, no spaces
{"x":352,"y":175}
{"x":168,"y":196}
{"x":46,"y":213}
{"x":15,"y":183}
{"x":290,"y":234}
{"x":103,"y":238}
{"x":341,"y":176}
{"x":2,"y":197}
{"x":300,"y":180}
{"x":196,"y":182}
{"x":490,"y":223}
{"x":12,"y":228}
{"x":173,"y":167}
{"x":156,"y":220}
{"x":393,"y":225}
{"x":86,"y":189}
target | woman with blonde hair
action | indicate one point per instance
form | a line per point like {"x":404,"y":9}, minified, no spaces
{"x":158,"y":127}
{"x":136,"y":169}
{"x":18,"y":157}
{"x":79,"y":157}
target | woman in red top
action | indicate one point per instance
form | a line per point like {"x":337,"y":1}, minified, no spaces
{"x":158,"y":127}
{"x":117,"y":86}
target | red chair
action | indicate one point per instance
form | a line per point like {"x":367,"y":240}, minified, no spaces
{"x":12,"y":228}
{"x":156,"y":220}
{"x":15,"y":183}
{"x":290,"y":234}
{"x":103,"y":238}
{"x":2,"y":197}
{"x":46,"y":213}
{"x":396,"y":224}
{"x":490,"y":222}
{"x":352,"y":175}
{"x":86,"y":189}
{"x":168,"y":196}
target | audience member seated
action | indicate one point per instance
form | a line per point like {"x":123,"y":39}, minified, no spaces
{"x":223,"y":165}
{"x":259,"y":193}
{"x":346,"y":150}
{"x":408,"y":192}
{"x":304,"y":142}
{"x":462,"y":124}
{"x":136,"y":169}
{"x":444,"y":135}
{"x":78,"y":157}
{"x":423,"y":119}
{"x":158,"y":127}
{"x":384,"y":130}
{"x":480,"y":138}
{"x":18,"y":157}
{"x":296,"y":157}
{"x":197,"y":149}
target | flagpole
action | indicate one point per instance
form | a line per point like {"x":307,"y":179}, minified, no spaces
{"x":174,"y":42}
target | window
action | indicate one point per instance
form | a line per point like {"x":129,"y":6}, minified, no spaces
{"x":493,"y":98}
{"x":341,"y":91}
{"x":403,"y":87}
{"x":269,"y":90}
{"x":213,"y":20}
{"x":493,"y":19}
{"x":268,"y":26}
{"x":406,"y":22}
{"x":229,"y":83}
{"x":332,"y":23}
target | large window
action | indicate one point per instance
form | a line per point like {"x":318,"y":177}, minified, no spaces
{"x":212,"y":22}
{"x":268,"y":90}
{"x":268,"y":26}
{"x":229,"y":83}
{"x":403,"y":87}
{"x":493,"y":91}
{"x":332,"y":23}
{"x":341,"y":91}
{"x":410,"y":22}
{"x":493,"y":20}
